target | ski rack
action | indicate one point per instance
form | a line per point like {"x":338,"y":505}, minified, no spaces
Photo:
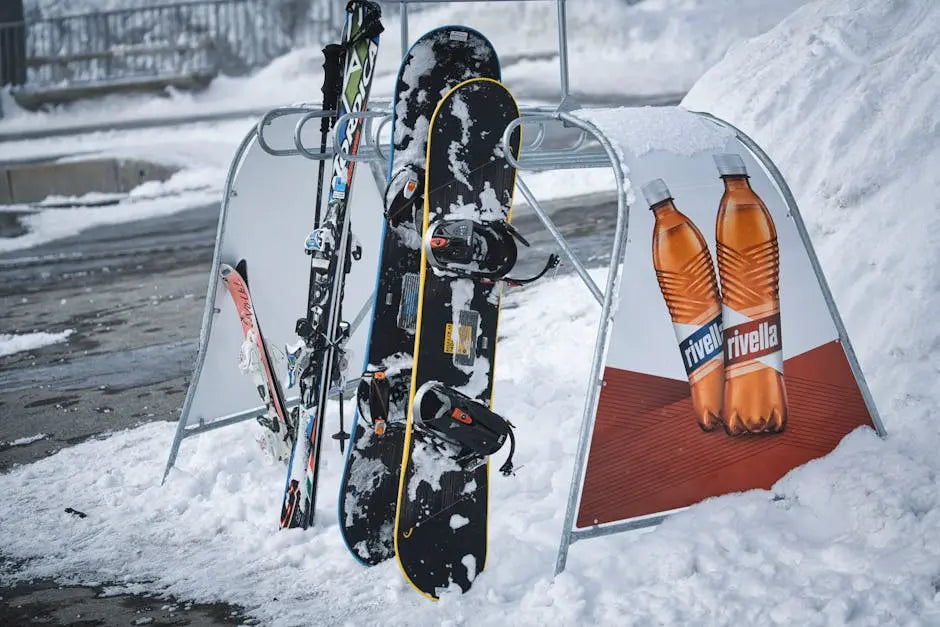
{"x":185,"y":430}
{"x":370,"y":151}
{"x":592,"y":149}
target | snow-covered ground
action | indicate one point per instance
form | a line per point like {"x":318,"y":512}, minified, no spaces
{"x":844,"y":97}
{"x":11,"y":343}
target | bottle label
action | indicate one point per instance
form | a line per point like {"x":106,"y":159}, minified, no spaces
{"x":699,"y":344}
{"x":752,"y":343}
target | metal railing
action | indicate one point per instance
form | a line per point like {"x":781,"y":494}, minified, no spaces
{"x":200,"y":38}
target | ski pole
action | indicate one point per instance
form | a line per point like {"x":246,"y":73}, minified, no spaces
{"x":333,"y":55}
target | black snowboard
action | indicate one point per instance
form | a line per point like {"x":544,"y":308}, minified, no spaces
{"x":438,"y":61}
{"x":441,"y":523}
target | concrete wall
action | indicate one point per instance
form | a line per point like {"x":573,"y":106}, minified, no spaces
{"x":26,"y":183}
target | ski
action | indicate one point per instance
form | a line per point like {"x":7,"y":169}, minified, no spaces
{"x":319,"y":367}
{"x":435,"y":63}
{"x":255,"y":360}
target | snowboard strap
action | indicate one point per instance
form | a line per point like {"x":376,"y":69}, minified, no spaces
{"x":373,"y":399}
{"x":507,"y":468}
{"x":552,"y":263}
{"x":404,"y":194}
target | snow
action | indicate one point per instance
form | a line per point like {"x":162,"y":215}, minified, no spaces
{"x":845,"y":101}
{"x":11,"y":343}
{"x":843,"y":96}
{"x":663,"y":128}
{"x":24,"y":441}
{"x":652,"y":47}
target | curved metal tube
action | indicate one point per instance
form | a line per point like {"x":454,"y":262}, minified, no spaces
{"x":209,"y":311}
{"x":600,"y":345}
{"x":549,"y":159}
{"x":378,"y":136}
{"x":539,"y":138}
{"x":298,"y":139}
{"x":266,"y":120}
{"x":579,"y":142}
{"x":595,"y":381}
{"x":513,"y":125}
{"x":366,"y":116}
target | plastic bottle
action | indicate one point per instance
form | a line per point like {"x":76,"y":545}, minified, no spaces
{"x":755,"y":399}
{"x":686,"y":278}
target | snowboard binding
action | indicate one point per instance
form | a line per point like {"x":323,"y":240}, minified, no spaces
{"x":485,"y":251}
{"x":404,"y":196}
{"x":464,"y":423}
{"x":372,"y":397}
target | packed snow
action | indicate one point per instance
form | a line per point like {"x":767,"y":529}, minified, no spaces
{"x":11,"y":343}
{"x":843,"y":96}
{"x":614,"y":47}
{"x":24,"y":441}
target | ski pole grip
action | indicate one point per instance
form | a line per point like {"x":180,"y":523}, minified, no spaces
{"x":333,"y":55}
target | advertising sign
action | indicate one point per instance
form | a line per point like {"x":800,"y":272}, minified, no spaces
{"x":724,"y":368}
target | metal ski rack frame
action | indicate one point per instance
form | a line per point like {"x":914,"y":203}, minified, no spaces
{"x":590,"y":149}
{"x":256,"y":134}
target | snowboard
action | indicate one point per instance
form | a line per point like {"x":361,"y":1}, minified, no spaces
{"x":255,"y":360}
{"x":437,"y":62}
{"x":331,"y":250}
{"x":441,"y":519}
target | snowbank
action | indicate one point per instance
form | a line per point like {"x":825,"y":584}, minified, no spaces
{"x":11,"y":343}
{"x":615,"y":48}
{"x":203,"y":152}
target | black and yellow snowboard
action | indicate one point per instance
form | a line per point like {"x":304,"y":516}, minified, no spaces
{"x":467,"y":248}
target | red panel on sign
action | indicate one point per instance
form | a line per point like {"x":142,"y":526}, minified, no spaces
{"x":648,"y":454}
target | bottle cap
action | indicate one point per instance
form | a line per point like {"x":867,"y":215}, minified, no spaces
{"x":730,"y":164}
{"x":656,"y":191}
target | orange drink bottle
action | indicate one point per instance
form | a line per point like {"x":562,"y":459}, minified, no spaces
{"x":755,"y":399}
{"x":686,"y":278}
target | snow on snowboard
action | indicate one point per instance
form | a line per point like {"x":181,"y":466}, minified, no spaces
{"x":437,"y":62}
